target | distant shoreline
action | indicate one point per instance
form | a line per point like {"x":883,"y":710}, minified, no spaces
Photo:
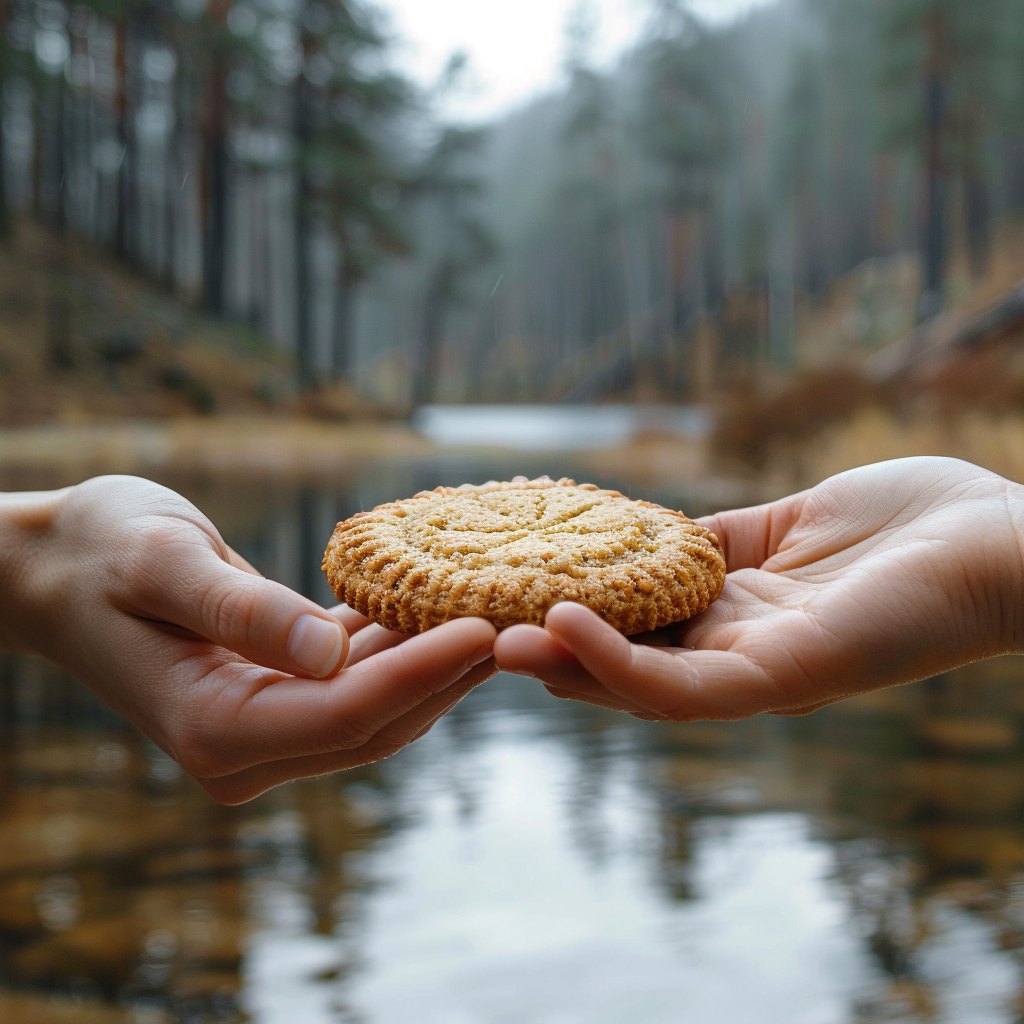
{"x":302,"y":451}
{"x":268,"y":446}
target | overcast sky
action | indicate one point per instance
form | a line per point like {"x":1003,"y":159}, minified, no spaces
{"x":515,"y":48}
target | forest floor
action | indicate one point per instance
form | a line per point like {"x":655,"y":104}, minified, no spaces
{"x":84,"y":340}
{"x":102,"y":370}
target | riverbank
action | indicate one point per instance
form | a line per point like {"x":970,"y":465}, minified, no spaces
{"x":309,"y":451}
{"x":298,"y":451}
{"x":992,"y":440}
{"x":230,"y":444}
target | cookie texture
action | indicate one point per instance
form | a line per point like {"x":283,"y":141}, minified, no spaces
{"x":509,"y":551}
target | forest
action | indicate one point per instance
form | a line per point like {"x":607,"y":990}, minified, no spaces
{"x":669,"y":225}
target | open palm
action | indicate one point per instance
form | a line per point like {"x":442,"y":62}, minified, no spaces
{"x":878,"y":576}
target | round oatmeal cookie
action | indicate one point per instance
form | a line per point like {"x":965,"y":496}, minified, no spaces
{"x":508,"y":551}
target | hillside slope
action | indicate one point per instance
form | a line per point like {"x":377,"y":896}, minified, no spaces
{"x":82,"y":339}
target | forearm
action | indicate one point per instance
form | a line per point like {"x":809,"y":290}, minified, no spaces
{"x":27,"y":522}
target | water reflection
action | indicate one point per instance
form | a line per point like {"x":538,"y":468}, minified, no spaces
{"x":529,"y":861}
{"x":508,"y":916}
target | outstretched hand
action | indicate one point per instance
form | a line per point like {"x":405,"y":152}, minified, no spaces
{"x":878,"y":576}
{"x":243,"y":682}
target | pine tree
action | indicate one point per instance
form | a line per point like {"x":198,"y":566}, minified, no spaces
{"x":5,"y":67}
{"x":684,"y":129}
{"x":587,"y":207}
{"x":351,"y":166}
{"x":941,"y":77}
{"x":447,"y":188}
{"x":217,"y":49}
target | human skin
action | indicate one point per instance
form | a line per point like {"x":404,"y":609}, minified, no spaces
{"x":246,"y":684}
{"x":879,"y":576}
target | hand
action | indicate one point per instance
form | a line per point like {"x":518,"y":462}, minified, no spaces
{"x":243,"y":682}
{"x":878,"y":576}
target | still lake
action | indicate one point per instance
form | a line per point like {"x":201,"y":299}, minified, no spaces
{"x":527,"y":862}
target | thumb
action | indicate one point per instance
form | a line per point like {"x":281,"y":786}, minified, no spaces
{"x":262,"y":621}
{"x":750,"y":536}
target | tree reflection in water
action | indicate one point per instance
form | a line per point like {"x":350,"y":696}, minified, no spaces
{"x":529,"y":861}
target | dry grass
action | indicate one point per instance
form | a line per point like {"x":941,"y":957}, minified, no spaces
{"x":752,"y":427}
{"x":968,"y":404}
{"x":264,"y":446}
{"x":995,"y":441}
{"x":970,"y":407}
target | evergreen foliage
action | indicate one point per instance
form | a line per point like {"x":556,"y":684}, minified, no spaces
{"x":266,"y":158}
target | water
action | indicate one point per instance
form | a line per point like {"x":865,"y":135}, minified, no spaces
{"x":530,"y":861}
{"x":558,"y":427}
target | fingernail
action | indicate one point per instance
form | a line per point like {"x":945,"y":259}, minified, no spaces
{"x":315,"y":645}
{"x":482,"y":653}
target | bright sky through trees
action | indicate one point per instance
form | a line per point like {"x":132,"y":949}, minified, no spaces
{"x":516,"y":50}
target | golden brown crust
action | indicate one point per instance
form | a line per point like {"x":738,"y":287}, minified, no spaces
{"x":507,"y":552}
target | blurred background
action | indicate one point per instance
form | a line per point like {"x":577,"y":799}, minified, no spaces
{"x":295,"y":258}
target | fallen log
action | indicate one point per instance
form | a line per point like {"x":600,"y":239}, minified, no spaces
{"x":947,"y":333}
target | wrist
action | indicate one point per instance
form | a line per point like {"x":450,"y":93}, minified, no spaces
{"x":27,"y":522}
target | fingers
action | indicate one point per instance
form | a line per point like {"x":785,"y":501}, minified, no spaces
{"x":534,"y":652}
{"x":372,"y":641}
{"x":255,"y":719}
{"x":260,"y":620}
{"x":682,"y":685}
{"x":250,"y":783}
{"x":599,"y":697}
{"x":351,"y":621}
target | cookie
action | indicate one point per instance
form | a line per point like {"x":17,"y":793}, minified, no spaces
{"x":507,"y":552}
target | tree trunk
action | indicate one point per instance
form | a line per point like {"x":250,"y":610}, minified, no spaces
{"x":5,"y":216}
{"x":931,"y":301}
{"x":303,"y":240}
{"x":51,"y":144}
{"x":977,"y":202}
{"x":5,"y":213}
{"x":58,"y":312}
{"x":977,"y":197}
{"x":122,"y":239}
{"x":215,"y":188}
{"x":342,"y":354}
{"x":427,"y":371}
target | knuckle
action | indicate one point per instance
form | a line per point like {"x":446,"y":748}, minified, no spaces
{"x":144,"y":561}
{"x":229,"y":612}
